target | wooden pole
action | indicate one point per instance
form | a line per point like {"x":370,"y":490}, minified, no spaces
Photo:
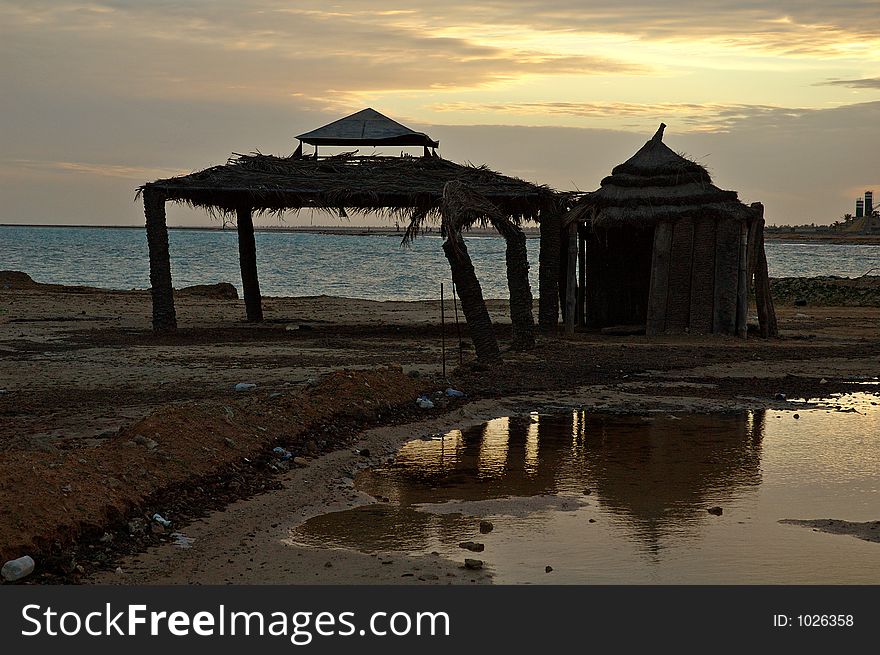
{"x":562,"y":271}
{"x":582,"y":275}
{"x":763,"y":297}
{"x":457,"y":326}
{"x":571,"y":282}
{"x":443,"y":328}
{"x":247,"y":255}
{"x":742,"y":290}
{"x":164,"y":315}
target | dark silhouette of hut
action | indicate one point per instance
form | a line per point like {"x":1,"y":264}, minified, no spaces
{"x":659,"y":246}
{"x":422,"y":188}
{"x":367,"y":128}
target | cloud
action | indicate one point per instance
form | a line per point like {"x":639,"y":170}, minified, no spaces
{"x":123,"y":171}
{"x":703,"y":117}
{"x":865,"y":83}
{"x":264,"y":50}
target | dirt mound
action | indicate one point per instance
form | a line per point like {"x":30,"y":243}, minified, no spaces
{"x":47,"y":500}
{"x":14,"y":280}
{"x":829,"y":291}
{"x":219,"y":291}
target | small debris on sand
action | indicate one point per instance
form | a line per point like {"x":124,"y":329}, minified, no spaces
{"x":715,"y":511}
{"x":486,"y":527}
{"x":473,"y":564}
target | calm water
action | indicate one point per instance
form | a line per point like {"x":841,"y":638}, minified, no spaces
{"x":297,"y":264}
{"x":612,"y":499}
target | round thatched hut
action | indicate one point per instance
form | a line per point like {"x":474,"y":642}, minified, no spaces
{"x":659,"y":245}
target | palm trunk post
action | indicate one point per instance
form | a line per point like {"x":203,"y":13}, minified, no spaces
{"x":521,"y":302}
{"x":471,"y":295}
{"x":548,"y":271}
{"x":164,"y":315}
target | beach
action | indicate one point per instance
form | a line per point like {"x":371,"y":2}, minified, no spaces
{"x":117,"y":423}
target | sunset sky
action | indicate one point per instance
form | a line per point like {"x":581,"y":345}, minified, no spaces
{"x":781,"y":100}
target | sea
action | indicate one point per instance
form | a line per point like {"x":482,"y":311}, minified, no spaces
{"x":374,"y":267}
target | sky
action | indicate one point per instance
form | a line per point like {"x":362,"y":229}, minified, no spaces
{"x":779,"y":100}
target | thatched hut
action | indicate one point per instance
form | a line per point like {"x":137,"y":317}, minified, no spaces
{"x":414,"y":187}
{"x":659,"y":245}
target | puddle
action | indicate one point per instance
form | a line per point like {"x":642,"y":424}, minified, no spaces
{"x":607,"y":498}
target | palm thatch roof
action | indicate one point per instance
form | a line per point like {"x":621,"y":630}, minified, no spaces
{"x":656,"y":184}
{"x":395,"y":185}
{"x":367,"y":127}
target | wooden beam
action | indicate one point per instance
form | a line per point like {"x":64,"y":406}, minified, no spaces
{"x":247,"y":256}
{"x":659,"y":288}
{"x":164,"y":315}
{"x":571,"y":281}
{"x":548,"y":271}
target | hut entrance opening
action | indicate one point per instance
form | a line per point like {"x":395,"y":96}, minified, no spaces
{"x":617,"y":276}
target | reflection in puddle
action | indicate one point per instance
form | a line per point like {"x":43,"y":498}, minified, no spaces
{"x":622,"y":498}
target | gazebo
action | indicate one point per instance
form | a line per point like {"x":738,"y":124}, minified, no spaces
{"x":421,"y":188}
{"x":659,"y":246}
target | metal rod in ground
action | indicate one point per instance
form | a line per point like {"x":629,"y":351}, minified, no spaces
{"x":443,"y":329}
{"x":457,"y":326}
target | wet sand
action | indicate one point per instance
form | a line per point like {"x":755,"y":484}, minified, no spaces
{"x":81,"y":367}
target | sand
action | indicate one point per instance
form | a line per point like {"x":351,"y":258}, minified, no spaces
{"x":82,"y":374}
{"x":867,"y":531}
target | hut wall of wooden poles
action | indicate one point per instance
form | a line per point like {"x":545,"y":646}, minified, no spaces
{"x":666,"y":249}
{"x":410,"y":187}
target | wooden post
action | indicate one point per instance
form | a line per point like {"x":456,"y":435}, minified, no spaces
{"x":442,"y":327}
{"x":582,"y":274}
{"x":164,"y":316}
{"x":457,"y":327}
{"x":742,"y":290}
{"x":763,"y":297}
{"x":659,"y":288}
{"x":247,"y":255}
{"x":548,"y":271}
{"x":562,"y":272}
{"x":571,"y":281}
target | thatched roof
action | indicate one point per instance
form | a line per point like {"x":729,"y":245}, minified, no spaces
{"x":653,"y":185}
{"x":367,"y":128}
{"x":267,"y":183}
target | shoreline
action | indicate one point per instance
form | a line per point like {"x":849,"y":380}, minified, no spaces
{"x":531,"y":232}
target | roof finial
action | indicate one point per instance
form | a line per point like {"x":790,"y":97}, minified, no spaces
{"x":659,"y":135}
